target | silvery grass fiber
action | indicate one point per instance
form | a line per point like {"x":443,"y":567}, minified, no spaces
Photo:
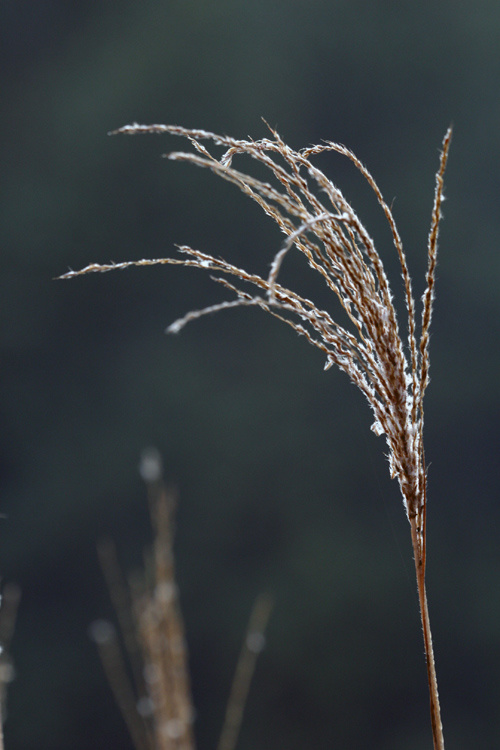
{"x":320,"y":223}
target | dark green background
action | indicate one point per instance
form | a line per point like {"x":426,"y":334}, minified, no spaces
{"x":283,"y":487}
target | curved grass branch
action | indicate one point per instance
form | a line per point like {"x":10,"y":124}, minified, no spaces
{"x":321,"y":224}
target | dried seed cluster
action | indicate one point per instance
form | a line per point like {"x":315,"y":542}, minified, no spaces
{"x":338,"y":247}
{"x":330,"y":234}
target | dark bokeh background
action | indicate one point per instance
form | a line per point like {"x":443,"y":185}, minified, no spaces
{"x":283,"y":487}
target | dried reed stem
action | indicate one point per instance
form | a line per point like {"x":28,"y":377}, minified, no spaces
{"x":124,"y":690}
{"x":321,"y":224}
{"x":253,"y":644}
{"x":161,"y":632}
{"x":150,"y":678}
{"x":121,"y":599}
{"x":10,"y":598}
{"x":437,"y":727}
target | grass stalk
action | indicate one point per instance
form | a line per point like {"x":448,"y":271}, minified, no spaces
{"x":252,"y":645}
{"x":146,"y":663}
{"x":9,"y":604}
{"x":392,"y":372}
{"x":435,"y":710}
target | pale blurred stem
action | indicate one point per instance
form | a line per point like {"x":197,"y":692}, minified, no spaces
{"x":1,"y":719}
{"x":418,"y":542}
{"x":244,"y":673}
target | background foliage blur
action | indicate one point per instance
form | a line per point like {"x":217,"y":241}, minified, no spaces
{"x":283,"y":488}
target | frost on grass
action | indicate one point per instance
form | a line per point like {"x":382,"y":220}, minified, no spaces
{"x":320,"y":223}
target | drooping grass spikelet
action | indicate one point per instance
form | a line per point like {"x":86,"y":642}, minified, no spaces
{"x":337,"y":245}
{"x":319,"y":222}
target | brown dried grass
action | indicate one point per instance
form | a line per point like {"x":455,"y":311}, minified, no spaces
{"x":318,"y":221}
{"x":147,"y":666}
{"x":146,"y":663}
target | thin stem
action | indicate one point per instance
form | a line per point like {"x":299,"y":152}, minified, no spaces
{"x":419,"y":555}
{"x":244,"y":672}
{"x":1,"y":719}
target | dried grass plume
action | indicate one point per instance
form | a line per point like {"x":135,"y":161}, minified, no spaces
{"x":319,"y":222}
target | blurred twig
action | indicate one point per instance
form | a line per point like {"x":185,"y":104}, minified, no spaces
{"x":103,"y":633}
{"x":11,"y":596}
{"x":252,"y":646}
{"x":122,"y":603}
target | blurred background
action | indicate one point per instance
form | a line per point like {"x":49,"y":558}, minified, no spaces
{"x":282,"y":486}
